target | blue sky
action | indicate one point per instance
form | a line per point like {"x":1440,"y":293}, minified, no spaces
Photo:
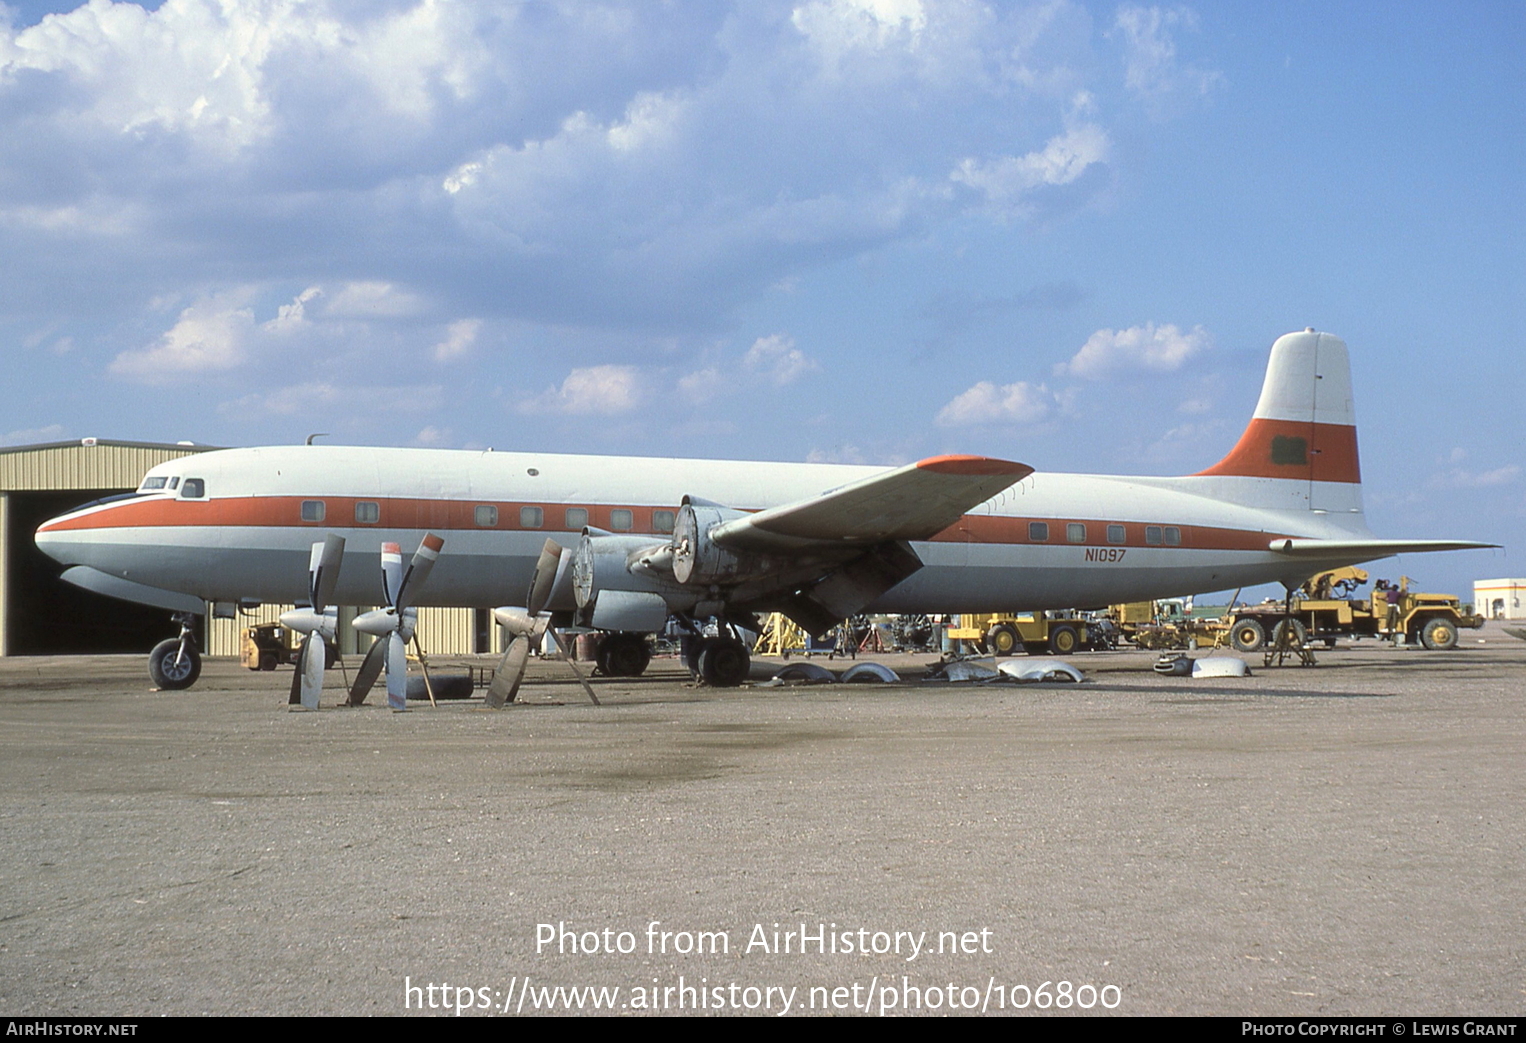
{"x":857,"y":230}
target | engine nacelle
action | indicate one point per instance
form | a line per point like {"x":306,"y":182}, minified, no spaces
{"x":616,"y":587}
{"x":699,"y":561}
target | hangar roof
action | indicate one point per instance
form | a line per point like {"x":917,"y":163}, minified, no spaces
{"x":85,"y":463}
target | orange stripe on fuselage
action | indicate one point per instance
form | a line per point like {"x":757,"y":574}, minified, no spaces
{"x":1329,"y":452}
{"x":445,"y":515}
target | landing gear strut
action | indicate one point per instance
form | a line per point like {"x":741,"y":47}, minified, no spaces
{"x":175,"y":663}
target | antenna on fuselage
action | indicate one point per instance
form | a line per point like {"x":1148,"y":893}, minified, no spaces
{"x":316,"y":434}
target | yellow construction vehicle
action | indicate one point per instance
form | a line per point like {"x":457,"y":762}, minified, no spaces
{"x":1323,"y":610}
{"x":1037,"y":633}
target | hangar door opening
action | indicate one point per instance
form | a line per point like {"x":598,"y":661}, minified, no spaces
{"x":46,"y":616}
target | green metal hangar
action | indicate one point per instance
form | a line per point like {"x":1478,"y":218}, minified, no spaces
{"x":39,"y":613}
{"x":42,"y":615}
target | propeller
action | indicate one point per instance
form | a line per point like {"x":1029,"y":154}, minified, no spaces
{"x":528,"y":628}
{"x":320,"y":622}
{"x":393,"y":626}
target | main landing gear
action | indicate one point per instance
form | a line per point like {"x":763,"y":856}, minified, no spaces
{"x":175,"y":663}
{"x":623,"y":654}
{"x":720,"y":660}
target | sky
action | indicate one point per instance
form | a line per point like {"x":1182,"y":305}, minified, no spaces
{"x":863,"y":231}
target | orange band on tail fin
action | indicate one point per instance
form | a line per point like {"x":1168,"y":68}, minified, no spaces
{"x":1299,"y":450}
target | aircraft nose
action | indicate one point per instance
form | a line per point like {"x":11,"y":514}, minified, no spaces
{"x":56,"y":542}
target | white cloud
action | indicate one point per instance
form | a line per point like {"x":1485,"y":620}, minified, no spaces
{"x":776,"y":359}
{"x":372,"y":300}
{"x":592,"y":390}
{"x":320,"y":399}
{"x":1459,"y":478}
{"x":837,"y":27}
{"x":1151,"y":69}
{"x":1147,"y":348}
{"x":33,"y":435}
{"x":292,"y":318}
{"x":704,"y":385}
{"x":459,"y":338}
{"x":986,"y":403}
{"x":1006,"y":183}
{"x":210,"y":336}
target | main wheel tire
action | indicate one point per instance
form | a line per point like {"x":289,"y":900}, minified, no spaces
{"x":724,"y":663}
{"x":1002,"y":639}
{"x":1247,"y":635}
{"x":625,"y":655}
{"x":1439,"y":635}
{"x":601,"y":655}
{"x":1290,"y":634}
{"x":1064,"y":640}
{"x":169,"y":669}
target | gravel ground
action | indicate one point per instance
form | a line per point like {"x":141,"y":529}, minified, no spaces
{"x":1342,"y":839}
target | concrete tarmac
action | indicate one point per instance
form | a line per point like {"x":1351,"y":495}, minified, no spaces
{"x":1335,"y":840}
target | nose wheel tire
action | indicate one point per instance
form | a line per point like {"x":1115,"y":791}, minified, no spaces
{"x":169,"y":669}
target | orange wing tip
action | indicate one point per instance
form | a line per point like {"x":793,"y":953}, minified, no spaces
{"x":974,"y":465}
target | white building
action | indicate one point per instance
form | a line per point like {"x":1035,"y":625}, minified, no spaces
{"x":1500,"y":598}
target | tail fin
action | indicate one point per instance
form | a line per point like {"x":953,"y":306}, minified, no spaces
{"x":1304,"y":426}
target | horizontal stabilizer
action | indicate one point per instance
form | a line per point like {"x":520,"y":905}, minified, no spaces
{"x":1367,"y":550}
{"x":914,"y":502}
{"x":138,"y":593}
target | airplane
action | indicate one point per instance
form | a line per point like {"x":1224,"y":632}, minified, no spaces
{"x":651,"y":539}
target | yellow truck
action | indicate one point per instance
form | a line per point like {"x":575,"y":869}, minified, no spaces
{"x":1324,"y":611}
{"x":1037,"y":633}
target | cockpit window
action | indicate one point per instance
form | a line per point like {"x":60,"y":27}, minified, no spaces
{"x":194,"y":488}
{"x":150,"y":484}
{"x":175,"y":481}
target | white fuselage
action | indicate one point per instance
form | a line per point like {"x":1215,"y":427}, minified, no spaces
{"x":248,"y":535}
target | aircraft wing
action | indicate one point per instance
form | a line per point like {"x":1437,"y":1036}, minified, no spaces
{"x":913,"y":502}
{"x":1370,"y":549}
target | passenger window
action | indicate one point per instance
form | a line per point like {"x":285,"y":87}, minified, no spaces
{"x":1038,"y":532}
{"x":194,"y":488}
{"x":577,"y":518}
{"x":621,"y":519}
{"x":1075,"y":532}
{"x":1173,"y":536}
{"x":367,"y":513}
{"x":531,"y":517}
{"x":1152,"y":535}
{"x":662,"y":521}
{"x":312,"y":510}
{"x":1115,"y":534}
{"x":486,"y":516}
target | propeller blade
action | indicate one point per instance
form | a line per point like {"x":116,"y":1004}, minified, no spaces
{"x":295,"y":699}
{"x":323,"y":573}
{"x":419,"y":569}
{"x":544,"y":578}
{"x":392,"y":573}
{"x":397,"y":672}
{"x":510,"y":672}
{"x":370,"y":670}
{"x":314,"y":654}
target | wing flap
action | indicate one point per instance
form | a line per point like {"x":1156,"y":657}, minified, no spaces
{"x":913,"y":502}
